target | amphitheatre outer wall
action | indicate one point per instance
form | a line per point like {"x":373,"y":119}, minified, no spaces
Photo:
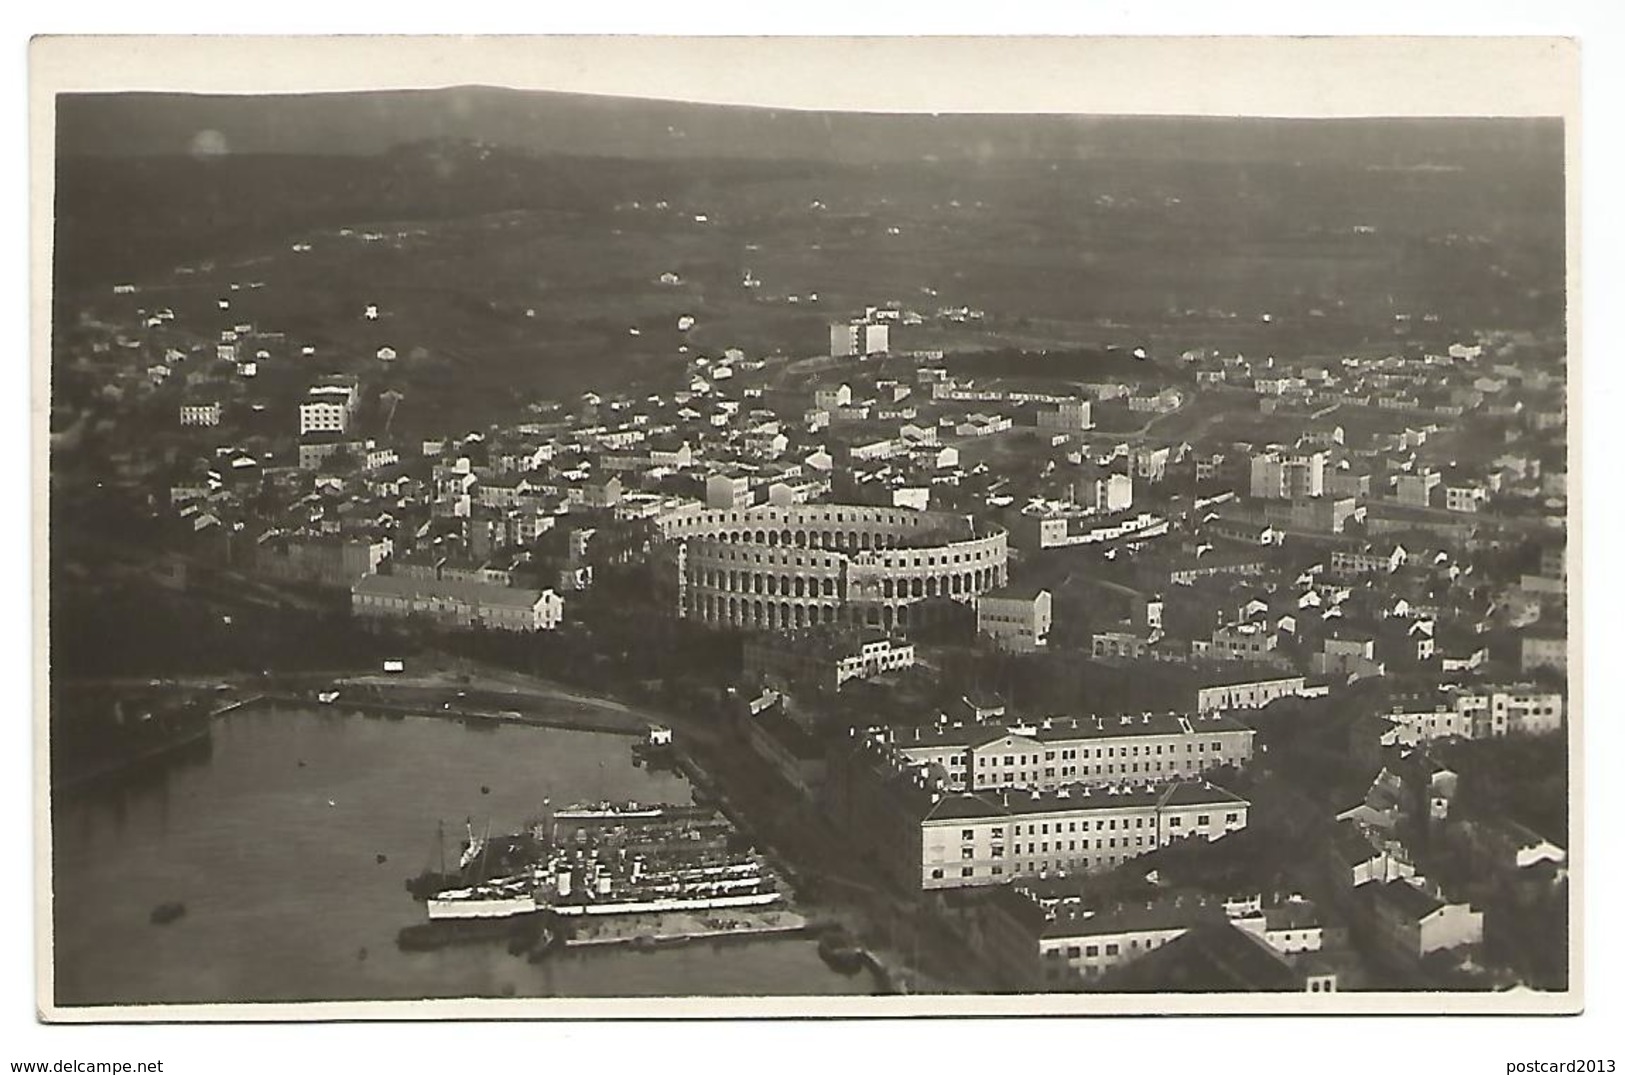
{"x":803,"y":565}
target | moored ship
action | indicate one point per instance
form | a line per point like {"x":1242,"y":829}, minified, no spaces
{"x":605,"y":859}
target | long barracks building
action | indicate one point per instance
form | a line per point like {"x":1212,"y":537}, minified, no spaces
{"x":934,"y":838}
{"x":988,"y":837}
{"x":809,"y":564}
{"x":1055,"y":752}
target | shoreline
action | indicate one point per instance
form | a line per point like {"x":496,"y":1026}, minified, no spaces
{"x":627,"y":727}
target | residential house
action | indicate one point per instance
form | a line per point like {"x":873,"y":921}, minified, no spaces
{"x":1015,"y":618}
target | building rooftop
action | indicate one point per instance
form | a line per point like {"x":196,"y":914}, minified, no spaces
{"x":1053,"y":729}
{"x":1175,"y":913}
{"x":1293,"y":914}
{"x":1077,"y":799}
{"x":1407,"y":899}
{"x":480,"y":593}
{"x":1209,"y":958}
{"x":1351,"y":845}
{"x":1241,"y":678}
{"x":1015,"y":592}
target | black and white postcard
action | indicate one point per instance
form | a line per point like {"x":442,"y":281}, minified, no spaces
{"x":659,"y":527}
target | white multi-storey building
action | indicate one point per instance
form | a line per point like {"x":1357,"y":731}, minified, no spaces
{"x":1060,"y":751}
{"x":1015,"y":618}
{"x":971,"y":839}
{"x":457,"y":603}
{"x":200,"y":414}
{"x":1484,"y":713}
{"x":329,"y":406}
{"x":858,"y":338}
{"x":1250,"y":693}
{"x":1279,"y":476}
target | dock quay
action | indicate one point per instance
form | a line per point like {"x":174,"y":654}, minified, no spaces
{"x":681,"y":927}
{"x":568,"y":721}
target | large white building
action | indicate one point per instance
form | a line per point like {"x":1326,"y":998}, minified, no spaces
{"x":1280,"y":476}
{"x":728,"y":491}
{"x":1044,"y":935}
{"x":1015,"y":618}
{"x":1416,"y":921}
{"x":1249,"y":693}
{"x":200,"y":413}
{"x":1058,"y":751}
{"x":857,"y":338}
{"x":1488,"y":712}
{"x":1069,"y":414}
{"x":930,"y":836}
{"x":457,"y":603}
{"x":329,"y":406}
{"x":987,"y":838}
{"x":1255,"y":641}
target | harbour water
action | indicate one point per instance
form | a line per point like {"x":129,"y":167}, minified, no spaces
{"x":272,"y":841}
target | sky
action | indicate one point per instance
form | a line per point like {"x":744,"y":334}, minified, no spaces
{"x":1121,"y":75}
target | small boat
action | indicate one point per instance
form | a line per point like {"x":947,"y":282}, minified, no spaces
{"x":165,"y":913}
{"x":328,"y":697}
{"x":840,"y":952}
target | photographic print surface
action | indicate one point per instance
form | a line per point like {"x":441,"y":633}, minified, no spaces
{"x":519,"y":548}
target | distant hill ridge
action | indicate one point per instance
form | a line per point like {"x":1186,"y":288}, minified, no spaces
{"x":157,"y":124}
